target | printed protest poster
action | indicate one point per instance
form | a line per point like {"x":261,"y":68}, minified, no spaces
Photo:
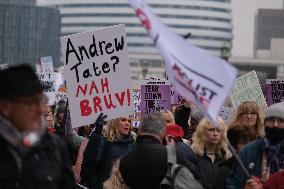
{"x":48,"y":79}
{"x":227,"y":113}
{"x":275,"y":91}
{"x":136,"y":117}
{"x":199,"y":77}
{"x":155,"y":96}
{"x":47,"y":64}
{"x":97,"y":74}
{"x":246,"y":87}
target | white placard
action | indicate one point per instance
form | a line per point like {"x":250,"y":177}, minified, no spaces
{"x":48,"y":79}
{"x":227,"y":113}
{"x":97,"y":74}
{"x":4,"y":66}
{"x":46,"y":64}
{"x":60,"y":96}
{"x":247,"y":88}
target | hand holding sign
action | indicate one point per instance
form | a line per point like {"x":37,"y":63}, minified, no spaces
{"x":99,"y":123}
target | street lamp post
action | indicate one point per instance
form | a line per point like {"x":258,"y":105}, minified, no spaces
{"x":225,"y":52}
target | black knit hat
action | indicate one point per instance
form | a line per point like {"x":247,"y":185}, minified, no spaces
{"x":20,"y":80}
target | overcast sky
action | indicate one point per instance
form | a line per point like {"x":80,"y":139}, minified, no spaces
{"x":243,"y":23}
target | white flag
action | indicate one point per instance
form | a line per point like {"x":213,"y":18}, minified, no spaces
{"x":197,"y":76}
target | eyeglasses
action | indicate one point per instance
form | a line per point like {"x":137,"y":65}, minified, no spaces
{"x":249,"y":113}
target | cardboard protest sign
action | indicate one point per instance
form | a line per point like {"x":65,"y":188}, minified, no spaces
{"x":46,"y":64}
{"x":155,"y":96}
{"x":97,"y":73}
{"x":48,"y":79}
{"x":246,"y":87}
{"x":275,"y":91}
{"x":227,"y":113}
{"x":206,"y":80}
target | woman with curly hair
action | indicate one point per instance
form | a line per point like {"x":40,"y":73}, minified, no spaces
{"x":249,"y":115}
{"x":210,"y":146}
{"x":104,"y":148}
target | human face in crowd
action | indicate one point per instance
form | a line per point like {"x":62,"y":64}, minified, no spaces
{"x":59,"y":117}
{"x":168,"y":117}
{"x":124,"y":125}
{"x":241,"y":144}
{"x":25,"y":112}
{"x":48,"y":117}
{"x":213,"y":135}
{"x":87,"y":129}
{"x":249,"y":118}
{"x":274,"y":122}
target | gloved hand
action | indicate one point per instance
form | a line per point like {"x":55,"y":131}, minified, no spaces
{"x":99,"y":123}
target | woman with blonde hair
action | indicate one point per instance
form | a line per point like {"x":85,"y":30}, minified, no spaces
{"x":104,"y":148}
{"x":115,"y":181}
{"x":249,"y":115}
{"x":210,"y":146}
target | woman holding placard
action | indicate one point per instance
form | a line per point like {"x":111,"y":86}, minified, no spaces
{"x":104,"y":148}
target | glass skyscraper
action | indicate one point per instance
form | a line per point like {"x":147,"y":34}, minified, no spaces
{"x":28,"y":32}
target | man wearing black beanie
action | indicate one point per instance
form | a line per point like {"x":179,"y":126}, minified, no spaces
{"x":30,"y":156}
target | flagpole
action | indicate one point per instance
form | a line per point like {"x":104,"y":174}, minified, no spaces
{"x":239,"y":160}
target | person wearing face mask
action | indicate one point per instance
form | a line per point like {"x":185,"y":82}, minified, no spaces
{"x":104,"y":148}
{"x":265,"y":156}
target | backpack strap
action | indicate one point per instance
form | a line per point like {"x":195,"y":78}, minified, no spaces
{"x":171,"y":154}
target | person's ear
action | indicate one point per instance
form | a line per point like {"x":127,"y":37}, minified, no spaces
{"x":5,"y":107}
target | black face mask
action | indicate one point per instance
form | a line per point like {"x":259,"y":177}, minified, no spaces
{"x":274,"y":135}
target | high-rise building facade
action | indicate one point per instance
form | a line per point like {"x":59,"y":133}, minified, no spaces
{"x":208,"y":21}
{"x":18,"y":2}
{"x":28,"y":33}
{"x":269,"y":25}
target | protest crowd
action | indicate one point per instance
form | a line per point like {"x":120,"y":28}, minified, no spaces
{"x":41,"y":149}
{"x":105,"y":135}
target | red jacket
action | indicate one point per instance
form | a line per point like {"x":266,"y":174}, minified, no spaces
{"x":275,"y":181}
